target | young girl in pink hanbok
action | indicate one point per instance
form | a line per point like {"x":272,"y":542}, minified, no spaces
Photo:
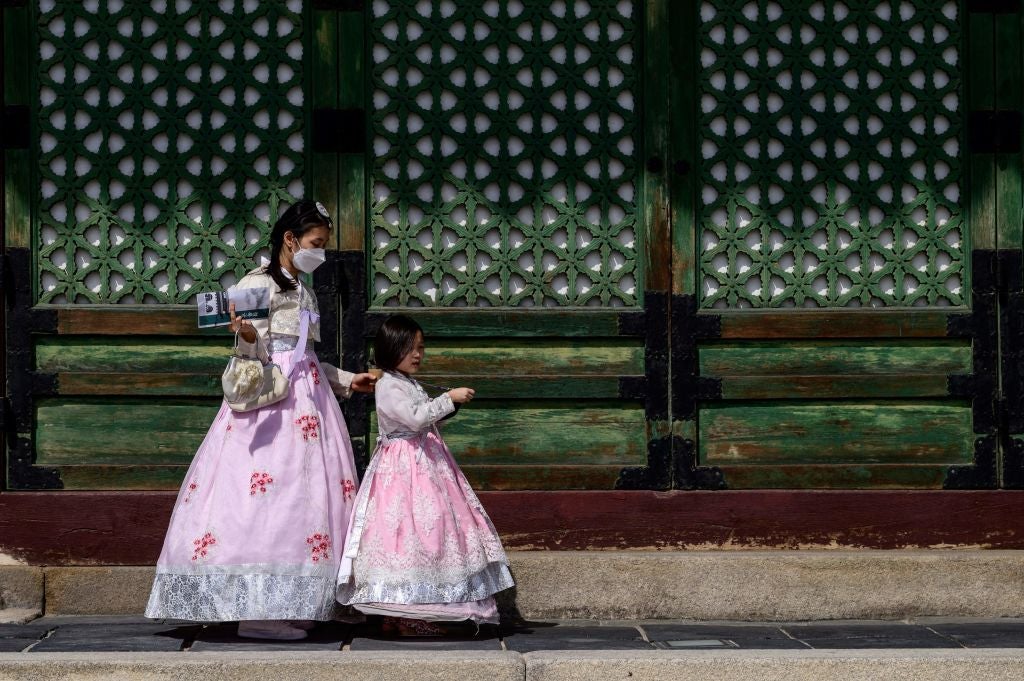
{"x":257,"y":530}
{"x":420,"y":546}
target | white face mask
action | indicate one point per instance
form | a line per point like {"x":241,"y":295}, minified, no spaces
{"x":308,"y":259}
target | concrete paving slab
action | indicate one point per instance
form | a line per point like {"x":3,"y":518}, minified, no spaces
{"x":116,"y":638}
{"x":572,"y":637}
{"x":852,"y":636}
{"x":307,"y":665}
{"x":98,"y":620}
{"x":224,"y":638}
{"x":777,"y":665}
{"x":984,"y":634}
{"x":671,"y":636}
{"x":360,"y":644}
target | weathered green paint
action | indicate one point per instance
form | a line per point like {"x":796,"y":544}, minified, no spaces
{"x":17,"y":162}
{"x":131,"y":353}
{"x":17,"y":198}
{"x":803,"y":476}
{"x":836,"y":357}
{"x":127,"y":477}
{"x":840,"y":387}
{"x":500,"y":357}
{"x":120,"y":431}
{"x":654,"y":185}
{"x":351,"y":189}
{"x":322,"y":64}
{"x":549,"y":432}
{"x":836,"y":433}
{"x":683,"y":105}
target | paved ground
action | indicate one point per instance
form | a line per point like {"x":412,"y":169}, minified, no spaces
{"x":133,"y":634}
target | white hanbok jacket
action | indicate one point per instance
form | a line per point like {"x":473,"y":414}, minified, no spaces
{"x":285,"y":310}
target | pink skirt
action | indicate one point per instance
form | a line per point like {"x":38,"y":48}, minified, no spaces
{"x":259,"y":524}
{"x":420,"y":544}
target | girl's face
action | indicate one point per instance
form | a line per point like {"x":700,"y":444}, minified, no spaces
{"x":314,"y":238}
{"x":410,"y":364}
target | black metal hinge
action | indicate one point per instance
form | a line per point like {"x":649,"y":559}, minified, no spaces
{"x":994,"y":132}
{"x":16,"y":130}
{"x":339,"y":131}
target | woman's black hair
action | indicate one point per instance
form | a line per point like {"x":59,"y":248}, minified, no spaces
{"x":300,"y":217}
{"x":395,"y":339}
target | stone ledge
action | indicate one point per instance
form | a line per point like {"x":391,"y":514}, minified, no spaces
{"x":21,"y":591}
{"x":705,"y":585}
{"x":812,"y":665}
{"x":280,"y":666}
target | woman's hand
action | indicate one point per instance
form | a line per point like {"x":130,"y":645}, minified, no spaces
{"x":363,"y":383}
{"x":244,"y":326}
{"x":461,"y":395}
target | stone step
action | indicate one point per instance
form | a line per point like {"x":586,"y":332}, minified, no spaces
{"x":698,"y":585}
{"x":866,"y":665}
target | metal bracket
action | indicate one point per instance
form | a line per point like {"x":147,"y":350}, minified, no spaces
{"x":994,"y":132}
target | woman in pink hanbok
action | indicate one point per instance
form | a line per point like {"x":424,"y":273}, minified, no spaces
{"x":257,"y":530}
{"x":420,"y":547}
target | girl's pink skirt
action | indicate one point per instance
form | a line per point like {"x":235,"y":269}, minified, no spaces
{"x":259,"y":525}
{"x":420,"y":544}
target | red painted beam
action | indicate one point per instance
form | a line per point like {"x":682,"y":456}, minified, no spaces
{"x":126,"y":528}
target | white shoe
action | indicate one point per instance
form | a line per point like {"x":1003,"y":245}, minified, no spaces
{"x":278,"y":630}
{"x":305,"y":625}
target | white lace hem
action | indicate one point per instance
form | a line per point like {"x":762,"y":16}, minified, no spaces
{"x":489,"y":581}
{"x":227,"y":597}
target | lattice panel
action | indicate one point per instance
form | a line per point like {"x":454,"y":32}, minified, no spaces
{"x":170,"y":132}
{"x":505,"y":160}
{"x":831,"y":138}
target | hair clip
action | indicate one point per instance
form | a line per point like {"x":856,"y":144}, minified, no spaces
{"x":323,"y":211}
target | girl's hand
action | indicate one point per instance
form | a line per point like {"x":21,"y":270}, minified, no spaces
{"x":461,"y":395}
{"x":243,"y":325}
{"x":364,"y":383}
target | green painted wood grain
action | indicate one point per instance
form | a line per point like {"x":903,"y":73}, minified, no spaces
{"x":495,"y":358}
{"x":792,"y":386}
{"x":122,"y":354}
{"x":683,"y":105}
{"x":508,"y":357}
{"x":782,"y":358}
{"x":120,"y":431}
{"x":840,"y":432}
{"x":835,"y":477}
{"x":159,"y":432}
{"x":323,"y":86}
{"x":93,"y":477}
{"x":546,"y":433}
{"x":17,"y":162}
